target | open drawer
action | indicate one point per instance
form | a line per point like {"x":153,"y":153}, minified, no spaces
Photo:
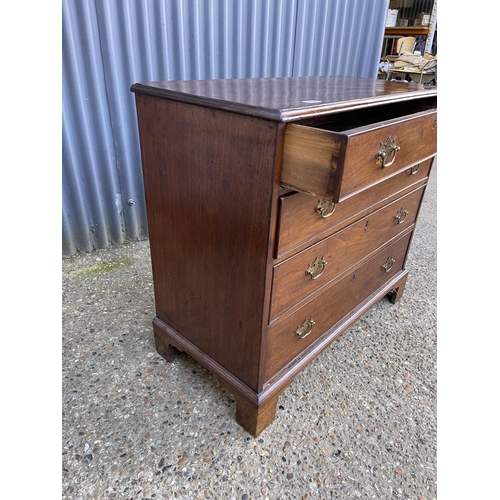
{"x":337,"y":160}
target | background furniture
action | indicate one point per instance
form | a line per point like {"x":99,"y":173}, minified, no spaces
{"x":424,"y":74}
{"x":394,"y":46}
{"x":387,"y":46}
{"x":407,"y":30}
{"x":403,"y":44}
{"x":279,"y":211}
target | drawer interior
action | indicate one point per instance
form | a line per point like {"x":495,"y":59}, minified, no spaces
{"x":341,"y":122}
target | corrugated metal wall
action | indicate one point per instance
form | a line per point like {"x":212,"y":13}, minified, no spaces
{"x":109,"y":45}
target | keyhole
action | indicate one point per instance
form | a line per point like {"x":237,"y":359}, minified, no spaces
{"x":367,"y":223}
{"x":353,"y":277}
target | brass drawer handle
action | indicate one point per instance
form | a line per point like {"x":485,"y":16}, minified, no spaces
{"x":387,"y":152}
{"x":325,"y":208}
{"x":317,"y":268}
{"x":387,"y":266}
{"x":401,"y":215}
{"x":305,"y":328}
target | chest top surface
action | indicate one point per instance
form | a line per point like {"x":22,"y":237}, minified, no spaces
{"x":287,"y":98}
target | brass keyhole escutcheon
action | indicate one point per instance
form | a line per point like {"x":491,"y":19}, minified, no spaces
{"x":387,"y":265}
{"x":305,"y":328}
{"x":386,"y":153}
{"x":317,"y":268}
{"x":413,"y":170}
{"x":401,"y":215}
{"x":325,"y":208}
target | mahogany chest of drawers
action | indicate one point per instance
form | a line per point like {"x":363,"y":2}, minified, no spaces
{"x":279,"y":211}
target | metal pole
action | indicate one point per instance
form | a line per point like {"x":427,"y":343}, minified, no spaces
{"x":432,"y":28}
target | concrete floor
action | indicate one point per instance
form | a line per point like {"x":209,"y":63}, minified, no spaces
{"x":358,"y":423}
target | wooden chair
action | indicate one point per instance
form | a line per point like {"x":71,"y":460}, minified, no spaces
{"x":403,"y":44}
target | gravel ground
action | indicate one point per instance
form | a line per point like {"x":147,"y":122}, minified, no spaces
{"x":358,"y":423}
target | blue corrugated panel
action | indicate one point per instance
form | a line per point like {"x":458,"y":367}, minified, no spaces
{"x":339,"y":37}
{"x":90,"y":179}
{"x":108,"y":46}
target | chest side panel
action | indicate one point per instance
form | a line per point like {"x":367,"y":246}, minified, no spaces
{"x":208,"y":178}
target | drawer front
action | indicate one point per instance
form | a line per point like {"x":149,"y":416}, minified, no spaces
{"x":301,"y":219}
{"x":331,"y":306}
{"x":307,"y":272}
{"x":336,"y":165}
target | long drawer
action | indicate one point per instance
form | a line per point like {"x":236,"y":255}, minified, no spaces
{"x":288,"y":337}
{"x":303,"y":218}
{"x":333,"y":162}
{"x":310,"y":270}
